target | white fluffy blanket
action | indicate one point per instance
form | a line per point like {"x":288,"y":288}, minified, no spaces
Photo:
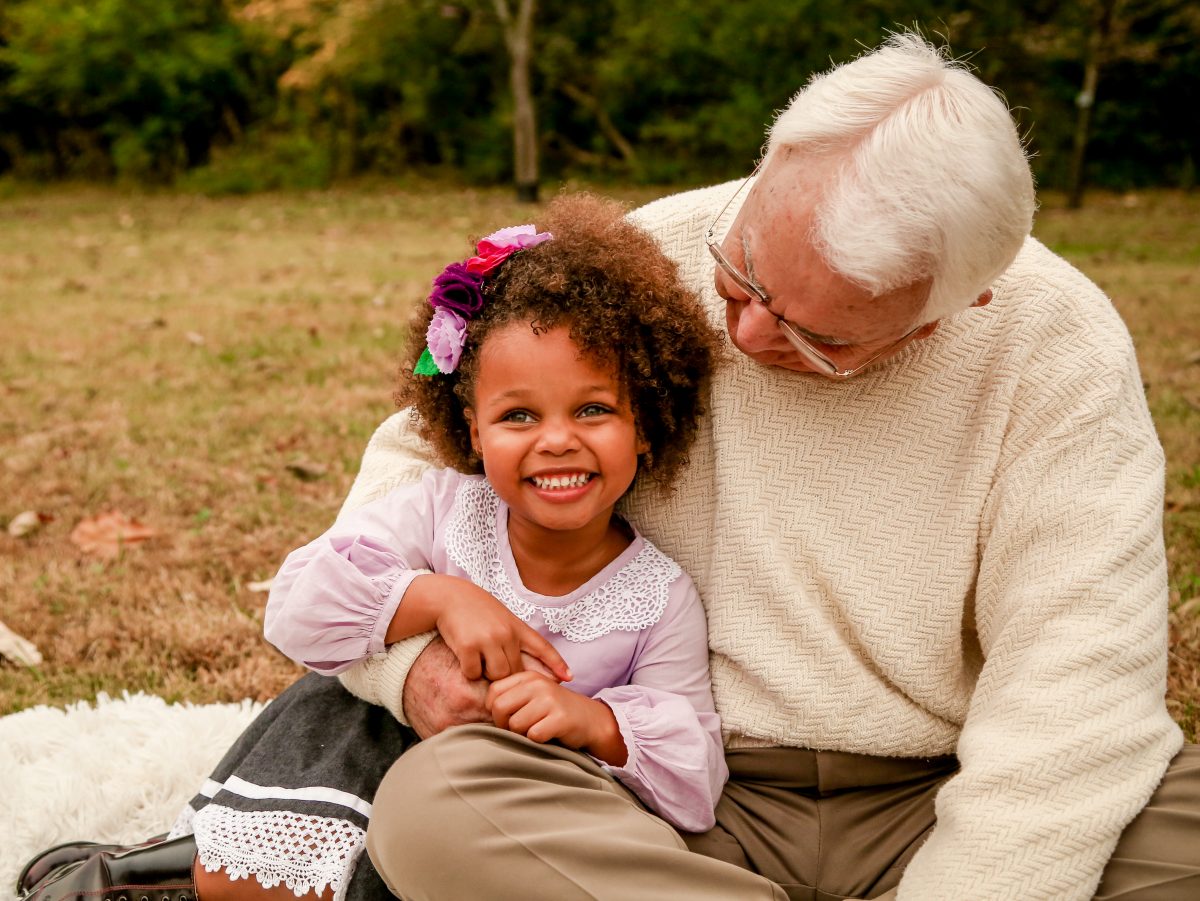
{"x":118,"y":771}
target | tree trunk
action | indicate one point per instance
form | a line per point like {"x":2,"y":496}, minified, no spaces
{"x":1097,"y":51}
{"x":607,"y":128}
{"x":518,"y":34}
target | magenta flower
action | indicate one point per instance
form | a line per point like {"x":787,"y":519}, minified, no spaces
{"x":459,"y":290}
{"x":500,"y":245}
{"x":446,"y":335}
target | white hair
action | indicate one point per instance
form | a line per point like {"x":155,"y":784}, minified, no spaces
{"x":929,"y":178}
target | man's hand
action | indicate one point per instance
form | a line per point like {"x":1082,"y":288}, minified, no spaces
{"x":438,"y":696}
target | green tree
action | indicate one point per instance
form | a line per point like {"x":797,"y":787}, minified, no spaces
{"x":132,"y":87}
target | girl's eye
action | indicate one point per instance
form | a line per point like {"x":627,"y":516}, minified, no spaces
{"x":594,"y":410}
{"x":517,"y":416}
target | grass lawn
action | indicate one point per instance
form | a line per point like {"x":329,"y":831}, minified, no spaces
{"x":213,"y":368}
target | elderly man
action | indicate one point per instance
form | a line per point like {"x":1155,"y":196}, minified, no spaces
{"x":927,"y":530}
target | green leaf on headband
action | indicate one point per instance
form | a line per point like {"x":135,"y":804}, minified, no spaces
{"x":425,"y":365}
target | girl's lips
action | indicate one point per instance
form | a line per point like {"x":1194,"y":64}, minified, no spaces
{"x":571,"y":489}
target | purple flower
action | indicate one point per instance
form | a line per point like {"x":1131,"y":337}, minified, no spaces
{"x":445,"y":337}
{"x":459,"y":290}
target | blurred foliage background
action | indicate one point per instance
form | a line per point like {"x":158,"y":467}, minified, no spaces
{"x":233,"y":96}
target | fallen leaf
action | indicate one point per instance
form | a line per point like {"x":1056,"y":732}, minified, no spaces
{"x":109,"y":533}
{"x":17,"y":649}
{"x":259,"y":587}
{"x":307,"y":470}
{"x":27,"y":522}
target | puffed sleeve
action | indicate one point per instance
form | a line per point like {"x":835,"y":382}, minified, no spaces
{"x":676,"y":763}
{"x":333,"y":599}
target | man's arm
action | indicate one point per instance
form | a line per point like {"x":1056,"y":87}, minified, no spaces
{"x":439,"y":697}
{"x":425,"y":689}
{"x":1067,"y":734}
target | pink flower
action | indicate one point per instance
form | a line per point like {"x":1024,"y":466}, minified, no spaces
{"x":445,"y":337}
{"x":500,"y":245}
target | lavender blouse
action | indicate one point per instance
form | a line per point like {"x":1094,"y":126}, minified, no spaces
{"x":634,"y":635}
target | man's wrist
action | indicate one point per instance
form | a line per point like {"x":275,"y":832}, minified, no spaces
{"x":381,"y":679}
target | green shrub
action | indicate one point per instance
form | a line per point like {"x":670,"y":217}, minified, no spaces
{"x":263,"y":163}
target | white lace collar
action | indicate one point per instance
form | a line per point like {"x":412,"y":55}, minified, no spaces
{"x":630,"y":594}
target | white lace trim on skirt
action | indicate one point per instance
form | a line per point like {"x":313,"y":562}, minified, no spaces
{"x":305,"y":853}
{"x":183,"y":823}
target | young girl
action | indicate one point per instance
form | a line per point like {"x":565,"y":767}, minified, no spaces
{"x":551,"y":370}
{"x":563,"y":364}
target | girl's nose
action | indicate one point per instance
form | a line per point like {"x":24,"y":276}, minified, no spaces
{"x":558,"y":436}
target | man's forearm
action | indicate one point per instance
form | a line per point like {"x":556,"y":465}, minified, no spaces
{"x":437,"y":696}
{"x":420,"y":682}
{"x":381,"y":679}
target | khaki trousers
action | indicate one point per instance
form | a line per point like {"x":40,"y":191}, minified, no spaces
{"x":480,"y":814}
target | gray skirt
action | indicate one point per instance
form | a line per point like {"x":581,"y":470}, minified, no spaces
{"x":290,"y":801}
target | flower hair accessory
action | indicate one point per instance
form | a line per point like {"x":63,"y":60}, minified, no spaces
{"x":457,"y":296}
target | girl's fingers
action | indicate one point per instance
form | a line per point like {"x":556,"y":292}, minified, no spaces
{"x":542,"y":731}
{"x":496,"y":663}
{"x":527,"y":717}
{"x":503,"y":698}
{"x":513,"y":654}
{"x":469,"y":664}
{"x":534,"y":644}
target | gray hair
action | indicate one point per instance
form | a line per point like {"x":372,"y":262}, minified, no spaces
{"x":930,"y":178}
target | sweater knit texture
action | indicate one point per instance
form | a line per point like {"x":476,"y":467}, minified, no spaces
{"x":958,"y":551}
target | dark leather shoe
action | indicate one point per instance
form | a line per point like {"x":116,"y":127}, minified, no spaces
{"x":157,"y":872}
{"x":52,"y":858}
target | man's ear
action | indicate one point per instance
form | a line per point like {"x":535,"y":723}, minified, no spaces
{"x":983,"y":299}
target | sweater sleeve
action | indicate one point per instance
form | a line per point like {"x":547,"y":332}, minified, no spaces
{"x":676,"y":763}
{"x":1066,"y":736}
{"x":395,"y":456}
{"x":333,"y":599}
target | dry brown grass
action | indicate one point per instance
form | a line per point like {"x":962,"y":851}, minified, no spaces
{"x":172,"y":356}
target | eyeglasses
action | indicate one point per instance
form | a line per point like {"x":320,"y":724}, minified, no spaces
{"x":814,"y":357}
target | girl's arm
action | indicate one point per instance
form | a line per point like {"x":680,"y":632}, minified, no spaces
{"x":369,"y":582}
{"x":675,"y":757}
{"x":485,"y":636}
{"x":333,"y":600}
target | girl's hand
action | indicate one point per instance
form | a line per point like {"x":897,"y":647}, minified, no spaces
{"x":537,"y":707}
{"x":488,"y":639}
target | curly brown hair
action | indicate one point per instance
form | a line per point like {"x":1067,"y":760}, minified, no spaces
{"x":609,"y":284}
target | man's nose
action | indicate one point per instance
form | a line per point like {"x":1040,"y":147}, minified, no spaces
{"x":755,"y":327}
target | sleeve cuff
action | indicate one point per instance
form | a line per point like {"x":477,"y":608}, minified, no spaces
{"x":380,"y":679}
{"x":387,"y":612}
{"x":629,"y":770}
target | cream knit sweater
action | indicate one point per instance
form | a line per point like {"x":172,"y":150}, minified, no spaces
{"x":959,"y":551}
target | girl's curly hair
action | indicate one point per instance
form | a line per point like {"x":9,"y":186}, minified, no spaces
{"x":610,"y":285}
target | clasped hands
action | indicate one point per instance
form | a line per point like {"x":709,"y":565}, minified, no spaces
{"x":488,"y":666}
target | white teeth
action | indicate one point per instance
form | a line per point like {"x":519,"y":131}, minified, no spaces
{"x":571,"y":481}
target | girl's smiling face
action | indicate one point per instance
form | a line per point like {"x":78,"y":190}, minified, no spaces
{"x":555,"y":431}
